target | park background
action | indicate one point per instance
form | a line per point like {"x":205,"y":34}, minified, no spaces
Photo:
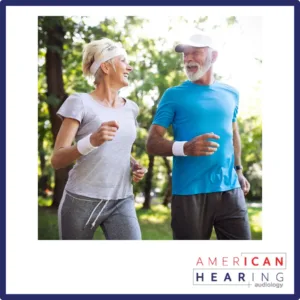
{"x":149,"y":43}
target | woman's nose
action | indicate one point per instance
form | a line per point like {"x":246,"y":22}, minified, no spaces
{"x":129,"y":68}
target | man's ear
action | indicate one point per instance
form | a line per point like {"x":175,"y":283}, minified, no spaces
{"x":214,"y":56}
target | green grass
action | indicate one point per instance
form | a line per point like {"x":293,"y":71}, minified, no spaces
{"x":155,"y":223}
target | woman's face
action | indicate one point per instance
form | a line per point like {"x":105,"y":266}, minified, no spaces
{"x":120,"y":75}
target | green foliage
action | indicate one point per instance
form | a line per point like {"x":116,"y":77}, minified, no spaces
{"x":231,"y":20}
{"x":251,"y":139}
{"x":156,"y":68}
{"x":155,"y":223}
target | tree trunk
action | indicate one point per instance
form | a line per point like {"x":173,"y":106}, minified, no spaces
{"x":54,"y":43}
{"x":168,"y":193}
{"x":42,"y":181}
{"x":148,"y":183}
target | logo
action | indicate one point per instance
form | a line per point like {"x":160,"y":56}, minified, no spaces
{"x":258,"y":270}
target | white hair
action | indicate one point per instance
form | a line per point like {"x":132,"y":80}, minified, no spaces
{"x":91,"y":52}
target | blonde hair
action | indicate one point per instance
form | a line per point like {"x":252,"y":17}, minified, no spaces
{"x":91,"y":52}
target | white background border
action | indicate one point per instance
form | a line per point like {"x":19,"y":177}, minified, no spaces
{"x":107,"y":267}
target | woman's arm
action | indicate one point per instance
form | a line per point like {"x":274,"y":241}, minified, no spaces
{"x":64,"y":153}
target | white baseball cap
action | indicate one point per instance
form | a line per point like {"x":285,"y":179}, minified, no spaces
{"x":195,"y":40}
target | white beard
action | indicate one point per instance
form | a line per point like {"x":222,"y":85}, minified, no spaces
{"x":200,"y":72}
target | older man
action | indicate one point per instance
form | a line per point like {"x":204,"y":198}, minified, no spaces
{"x":208,"y":184}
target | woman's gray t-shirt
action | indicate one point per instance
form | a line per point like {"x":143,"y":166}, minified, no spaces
{"x":104,"y":173}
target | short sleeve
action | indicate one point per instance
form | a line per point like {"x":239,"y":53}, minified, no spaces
{"x":236,"y":109}
{"x":165,"y":111}
{"x":72,"y":108}
{"x":135,"y":110}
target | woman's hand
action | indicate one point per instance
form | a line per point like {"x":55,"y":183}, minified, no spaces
{"x":106,"y":132}
{"x":138,"y":172}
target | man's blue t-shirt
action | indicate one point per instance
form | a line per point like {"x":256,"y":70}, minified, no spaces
{"x":194,"y":110}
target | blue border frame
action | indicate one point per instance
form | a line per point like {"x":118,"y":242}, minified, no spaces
{"x":4,"y":3}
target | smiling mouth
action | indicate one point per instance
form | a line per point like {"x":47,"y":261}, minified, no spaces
{"x":192,"y":69}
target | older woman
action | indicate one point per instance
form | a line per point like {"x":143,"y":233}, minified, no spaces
{"x":99,"y":190}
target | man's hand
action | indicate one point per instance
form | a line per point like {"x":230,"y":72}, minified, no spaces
{"x":200,"y":146}
{"x":138,"y":172}
{"x":245,"y":185}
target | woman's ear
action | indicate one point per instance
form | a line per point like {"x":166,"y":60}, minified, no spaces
{"x":104,"y":68}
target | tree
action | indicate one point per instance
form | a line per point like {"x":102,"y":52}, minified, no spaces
{"x":51,"y":35}
{"x":251,"y":138}
{"x":156,"y":68}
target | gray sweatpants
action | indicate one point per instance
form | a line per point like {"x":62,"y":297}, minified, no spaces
{"x":194,"y":216}
{"x":79,"y":217}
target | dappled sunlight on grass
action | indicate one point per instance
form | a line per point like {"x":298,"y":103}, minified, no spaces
{"x":255,"y":219}
{"x":256,"y":228}
{"x":45,"y":201}
{"x":155,"y":223}
{"x":159,"y":208}
{"x":47,"y":222}
{"x":153,"y":219}
{"x":158,"y":214}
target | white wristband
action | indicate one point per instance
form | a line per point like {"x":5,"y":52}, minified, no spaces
{"x":84,"y":145}
{"x":177,"y":149}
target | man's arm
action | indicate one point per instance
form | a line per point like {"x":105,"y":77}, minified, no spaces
{"x":198,"y":146}
{"x":156,"y":143}
{"x":245,"y":185}
{"x":237,"y":144}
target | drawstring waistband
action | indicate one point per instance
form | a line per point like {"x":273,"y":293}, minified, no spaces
{"x":92,"y":213}
{"x":94,"y":223}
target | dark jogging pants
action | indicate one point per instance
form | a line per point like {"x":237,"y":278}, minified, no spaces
{"x":194,"y":216}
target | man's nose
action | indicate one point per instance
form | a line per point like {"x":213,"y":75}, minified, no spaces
{"x":188,"y":58}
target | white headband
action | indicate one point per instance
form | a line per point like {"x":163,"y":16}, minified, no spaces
{"x":116,"y":51}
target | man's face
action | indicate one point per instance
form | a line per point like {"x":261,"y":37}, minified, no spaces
{"x":197,"y":61}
